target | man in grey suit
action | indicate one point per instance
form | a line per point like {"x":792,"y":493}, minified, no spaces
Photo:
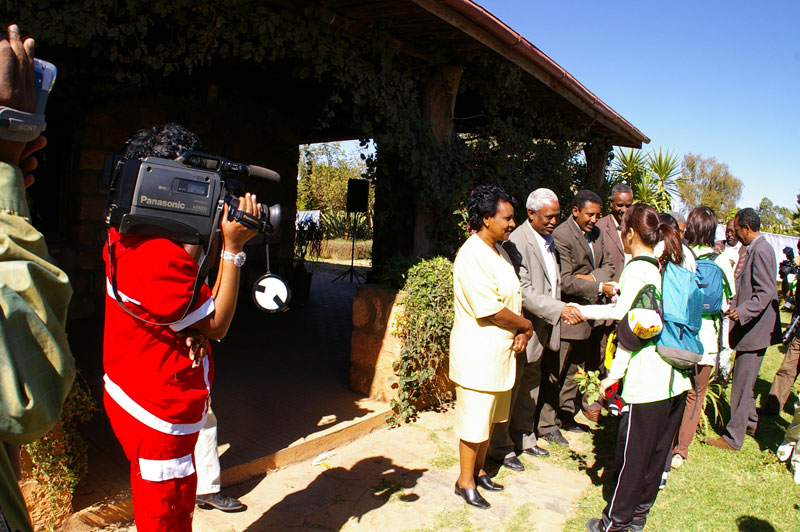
{"x":756,"y":326}
{"x":531,"y":250}
{"x":586,"y":272}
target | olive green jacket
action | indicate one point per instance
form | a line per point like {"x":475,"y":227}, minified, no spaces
{"x":36,"y":366}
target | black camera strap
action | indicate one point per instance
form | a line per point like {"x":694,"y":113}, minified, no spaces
{"x":202,"y":273}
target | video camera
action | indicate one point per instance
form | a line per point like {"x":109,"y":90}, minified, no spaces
{"x":181,"y":199}
{"x":19,"y":126}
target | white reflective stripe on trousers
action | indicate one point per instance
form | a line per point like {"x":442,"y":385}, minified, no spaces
{"x":168,"y":469}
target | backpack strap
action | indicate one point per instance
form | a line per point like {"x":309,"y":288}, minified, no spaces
{"x":645,"y":258}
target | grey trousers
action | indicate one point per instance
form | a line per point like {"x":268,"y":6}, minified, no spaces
{"x":560,"y":398}
{"x":519,"y":431}
{"x":743,"y":400}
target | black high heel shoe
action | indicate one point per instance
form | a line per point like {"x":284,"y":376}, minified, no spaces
{"x":485,"y":482}
{"x":472,"y":497}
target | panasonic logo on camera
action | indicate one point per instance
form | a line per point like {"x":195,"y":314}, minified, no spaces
{"x":162,"y":203}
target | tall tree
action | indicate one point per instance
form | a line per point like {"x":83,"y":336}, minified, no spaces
{"x":323,"y":172}
{"x":705,"y":181}
{"x":774,"y":218}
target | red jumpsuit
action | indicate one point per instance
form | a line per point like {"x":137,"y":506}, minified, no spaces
{"x":156,"y":401}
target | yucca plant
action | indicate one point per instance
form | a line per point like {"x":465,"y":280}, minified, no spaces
{"x":666,"y":169}
{"x":715,"y":395}
{"x":653,"y":177}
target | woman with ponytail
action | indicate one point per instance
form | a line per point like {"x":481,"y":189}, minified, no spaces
{"x":654,"y":394}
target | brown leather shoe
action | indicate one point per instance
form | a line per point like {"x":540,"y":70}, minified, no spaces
{"x":719,"y":443}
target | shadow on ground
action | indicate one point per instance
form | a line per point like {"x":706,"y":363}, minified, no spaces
{"x":747,"y":523}
{"x":338,"y":495}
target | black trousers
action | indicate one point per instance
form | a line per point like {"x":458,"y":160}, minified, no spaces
{"x":645,"y":438}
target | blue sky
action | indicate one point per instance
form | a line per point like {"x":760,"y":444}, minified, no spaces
{"x":717,"y":78}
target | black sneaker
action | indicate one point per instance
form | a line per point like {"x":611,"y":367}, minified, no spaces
{"x":220,"y":502}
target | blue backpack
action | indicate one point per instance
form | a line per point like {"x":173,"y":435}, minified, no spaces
{"x":681,"y":311}
{"x":713,"y":283}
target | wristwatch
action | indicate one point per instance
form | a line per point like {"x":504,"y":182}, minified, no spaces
{"x":237,"y":258}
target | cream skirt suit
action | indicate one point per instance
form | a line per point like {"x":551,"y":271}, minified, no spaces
{"x":482,"y":361}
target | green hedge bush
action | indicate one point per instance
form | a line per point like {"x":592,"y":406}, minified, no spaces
{"x":423,"y":325}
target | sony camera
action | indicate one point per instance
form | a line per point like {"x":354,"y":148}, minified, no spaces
{"x":19,"y":126}
{"x":181,"y":199}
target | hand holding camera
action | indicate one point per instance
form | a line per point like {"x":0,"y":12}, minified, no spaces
{"x":234,"y":233}
{"x":16,"y":85}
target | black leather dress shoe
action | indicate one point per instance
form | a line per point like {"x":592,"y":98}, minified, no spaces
{"x":575,"y":427}
{"x":536,"y":451}
{"x":220,"y":502}
{"x":472,"y":497}
{"x":513,"y":463}
{"x":555,"y":438}
{"x":486,"y":483}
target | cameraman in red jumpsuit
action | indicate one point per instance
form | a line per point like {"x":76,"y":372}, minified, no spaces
{"x":157,"y":383}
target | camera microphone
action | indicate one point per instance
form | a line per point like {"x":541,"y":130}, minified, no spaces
{"x":213,"y":162}
{"x":263,"y":173}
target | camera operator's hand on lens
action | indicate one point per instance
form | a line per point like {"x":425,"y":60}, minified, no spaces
{"x":16,"y":85}
{"x":234,"y":234}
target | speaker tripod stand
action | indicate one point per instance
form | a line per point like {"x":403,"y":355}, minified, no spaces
{"x":360,"y":277}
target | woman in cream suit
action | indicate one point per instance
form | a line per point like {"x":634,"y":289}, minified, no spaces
{"x":488,"y":330}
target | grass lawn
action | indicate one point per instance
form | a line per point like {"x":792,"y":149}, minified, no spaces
{"x":715,"y":490}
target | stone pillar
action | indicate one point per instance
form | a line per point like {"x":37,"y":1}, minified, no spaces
{"x":439,"y":101}
{"x":374,"y":347}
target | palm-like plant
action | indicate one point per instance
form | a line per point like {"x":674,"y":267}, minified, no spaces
{"x":666,"y":168}
{"x":653,"y":177}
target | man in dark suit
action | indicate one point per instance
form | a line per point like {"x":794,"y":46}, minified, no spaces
{"x":609,"y":225}
{"x":755,"y":326}
{"x":535,"y":259}
{"x":586,"y":272}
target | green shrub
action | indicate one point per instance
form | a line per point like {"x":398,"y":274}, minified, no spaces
{"x":60,"y":459}
{"x":423,"y":325}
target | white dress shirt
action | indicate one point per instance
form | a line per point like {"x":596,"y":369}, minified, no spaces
{"x":546,"y":246}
